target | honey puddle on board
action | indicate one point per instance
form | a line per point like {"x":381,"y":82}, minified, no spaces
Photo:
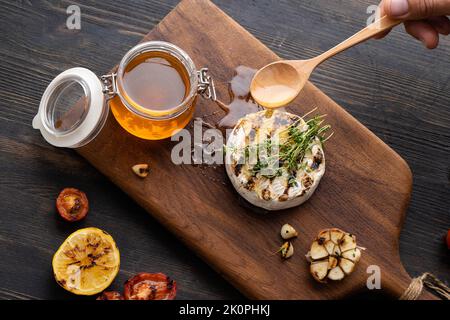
{"x":242,"y":102}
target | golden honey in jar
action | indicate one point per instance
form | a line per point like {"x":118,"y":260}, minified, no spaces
{"x":152,"y":96}
{"x":157,"y":86}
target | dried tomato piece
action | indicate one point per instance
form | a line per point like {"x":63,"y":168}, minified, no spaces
{"x":150,"y":286}
{"x":110,"y":295}
{"x":72,"y":204}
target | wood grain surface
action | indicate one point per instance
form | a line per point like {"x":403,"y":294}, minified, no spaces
{"x":410,"y":113}
{"x":366,"y":189}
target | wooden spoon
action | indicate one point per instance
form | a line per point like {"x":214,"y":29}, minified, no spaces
{"x":278,"y":83}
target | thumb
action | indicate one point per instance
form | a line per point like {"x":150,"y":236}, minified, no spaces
{"x":416,"y":9}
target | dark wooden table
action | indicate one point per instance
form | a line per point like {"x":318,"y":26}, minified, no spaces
{"x":395,"y":87}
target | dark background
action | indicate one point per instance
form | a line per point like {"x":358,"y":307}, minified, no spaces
{"x":395,"y":87}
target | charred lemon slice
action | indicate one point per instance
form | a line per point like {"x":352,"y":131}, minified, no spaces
{"x":87,"y":262}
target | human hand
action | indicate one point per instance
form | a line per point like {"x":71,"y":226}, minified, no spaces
{"x":426,"y":19}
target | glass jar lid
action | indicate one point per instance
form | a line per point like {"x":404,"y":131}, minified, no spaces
{"x":72,"y":109}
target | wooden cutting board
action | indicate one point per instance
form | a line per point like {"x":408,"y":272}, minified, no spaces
{"x":365,"y":190}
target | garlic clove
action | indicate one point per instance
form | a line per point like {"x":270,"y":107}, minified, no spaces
{"x":332,"y":262}
{"x":337,"y":251}
{"x":352,"y":255}
{"x":288,"y":232}
{"x":319,"y":270}
{"x":318,"y":251}
{"x":336,"y":274}
{"x":325,"y":235}
{"x":287,"y":250}
{"x":141,"y":170}
{"x":329,"y":246}
{"x":347,"y":266}
{"x":336,"y":235}
{"x":348,"y":242}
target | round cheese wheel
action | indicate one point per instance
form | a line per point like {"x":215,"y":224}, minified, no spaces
{"x":268,"y":183}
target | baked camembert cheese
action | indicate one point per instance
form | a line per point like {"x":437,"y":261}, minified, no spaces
{"x":275,"y":159}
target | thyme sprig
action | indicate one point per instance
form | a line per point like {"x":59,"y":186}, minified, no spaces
{"x":298,"y":142}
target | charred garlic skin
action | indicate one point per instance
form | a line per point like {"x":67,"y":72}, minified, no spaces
{"x":333,"y":255}
{"x":288,"y":232}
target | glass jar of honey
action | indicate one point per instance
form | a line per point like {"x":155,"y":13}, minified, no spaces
{"x":152,"y":95}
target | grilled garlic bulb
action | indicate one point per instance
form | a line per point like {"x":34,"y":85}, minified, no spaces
{"x":288,"y":232}
{"x":333,"y":255}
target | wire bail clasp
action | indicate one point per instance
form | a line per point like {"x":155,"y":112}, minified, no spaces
{"x":109,"y":84}
{"x":206,"y":86}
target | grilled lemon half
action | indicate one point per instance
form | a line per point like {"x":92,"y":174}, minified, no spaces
{"x":87,"y":262}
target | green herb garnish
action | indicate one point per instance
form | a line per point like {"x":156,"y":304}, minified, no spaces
{"x":298,"y":142}
{"x":295,"y":141}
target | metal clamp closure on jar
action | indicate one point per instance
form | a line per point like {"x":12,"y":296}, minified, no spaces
{"x":206,"y":87}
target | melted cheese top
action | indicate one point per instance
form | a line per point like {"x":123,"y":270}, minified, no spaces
{"x":281,"y":184}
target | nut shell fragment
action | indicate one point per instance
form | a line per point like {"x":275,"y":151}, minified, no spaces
{"x":141,"y":170}
{"x":333,"y":255}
